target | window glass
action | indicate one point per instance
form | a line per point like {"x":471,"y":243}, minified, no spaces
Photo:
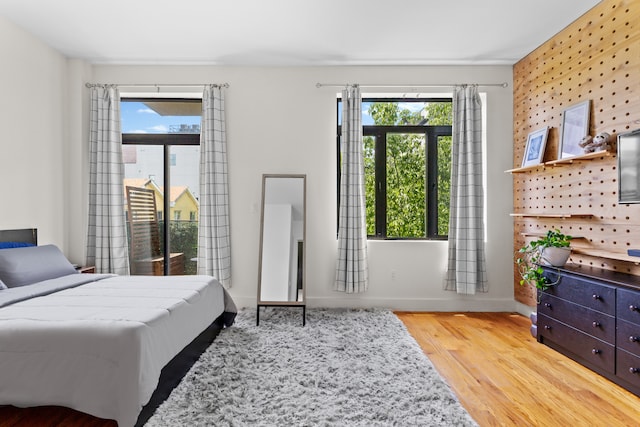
{"x":406,"y":183}
{"x":444,"y":183}
{"x":161,"y":140}
{"x":407,"y":162}
{"x":369,"y":155}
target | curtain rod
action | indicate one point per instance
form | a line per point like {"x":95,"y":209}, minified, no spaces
{"x":319,"y":85}
{"x":158,"y":86}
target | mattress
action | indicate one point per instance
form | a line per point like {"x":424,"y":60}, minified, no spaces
{"x":97,"y":343}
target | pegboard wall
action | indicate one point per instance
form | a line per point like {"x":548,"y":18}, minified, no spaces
{"x":595,"y":58}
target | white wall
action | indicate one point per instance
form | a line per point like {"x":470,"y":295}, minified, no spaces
{"x":33,"y":138}
{"x":277,"y":122}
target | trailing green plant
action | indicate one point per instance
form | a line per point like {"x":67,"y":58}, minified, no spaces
{"x":529,"y":256}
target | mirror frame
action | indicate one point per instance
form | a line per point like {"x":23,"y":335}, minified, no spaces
{"x":267,"y":303}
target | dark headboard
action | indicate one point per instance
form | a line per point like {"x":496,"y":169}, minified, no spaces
{"x":25,"y":235}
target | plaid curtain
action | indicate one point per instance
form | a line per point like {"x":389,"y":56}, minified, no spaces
{"x":466,"y":272}
{"x":352,"y":271}
{"x":214,"y":238}
{"x":107,"y":246}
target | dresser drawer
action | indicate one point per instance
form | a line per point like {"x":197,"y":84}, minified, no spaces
{"x":587,"y":348}
{"x":584,"y":292}
{"x":628,"y":337}
{"x":595,"y":323}
{"x":629,"y":305}
{"x":628,"y":367}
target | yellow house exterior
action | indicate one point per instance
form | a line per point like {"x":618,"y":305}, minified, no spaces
{"x":183,"y":206}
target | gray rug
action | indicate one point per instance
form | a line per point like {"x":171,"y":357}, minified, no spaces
{"x":344,"y":368}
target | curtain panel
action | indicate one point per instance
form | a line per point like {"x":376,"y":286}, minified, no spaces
{"x":107,"y":246}
{"x":466,"y":271}
{"x":214,"y":237}
{"x":352,"y":271}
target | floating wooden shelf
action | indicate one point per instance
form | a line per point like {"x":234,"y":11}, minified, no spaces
{"x":565,"y":161}
{"x":549,"y":215}
{"x":544,"y":234}
{"x":526,"y":168}
{"x":604,"y":254}
{"x":589,"y":156}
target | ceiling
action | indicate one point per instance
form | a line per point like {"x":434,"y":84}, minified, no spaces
{"x":295,"y":32}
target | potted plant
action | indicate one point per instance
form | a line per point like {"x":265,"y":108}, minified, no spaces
{"x":552,"y":249}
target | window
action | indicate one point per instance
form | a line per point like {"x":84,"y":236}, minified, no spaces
{"x":161,"y":151}
{"x":407,"y":160}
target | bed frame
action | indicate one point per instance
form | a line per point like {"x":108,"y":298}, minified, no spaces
{"x":175,"y":370}
{"x":23,"y":235}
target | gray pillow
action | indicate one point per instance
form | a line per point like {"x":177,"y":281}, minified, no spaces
{"x":25,"y":266}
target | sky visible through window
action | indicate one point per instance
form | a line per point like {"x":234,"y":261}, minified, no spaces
{"x":138,"y":118}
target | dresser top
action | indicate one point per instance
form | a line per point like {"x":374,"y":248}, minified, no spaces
{"x":607,"y":276}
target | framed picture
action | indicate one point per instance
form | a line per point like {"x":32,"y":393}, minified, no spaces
{"x":534,"y":151}
{"x":575,"y":126}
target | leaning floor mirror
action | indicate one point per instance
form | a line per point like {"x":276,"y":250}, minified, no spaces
{"x":281,"y":266}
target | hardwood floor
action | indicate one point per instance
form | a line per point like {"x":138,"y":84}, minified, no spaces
{"x":500,"y":374}
{"x":504,"y":377}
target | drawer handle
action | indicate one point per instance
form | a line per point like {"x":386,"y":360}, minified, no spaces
{"x":596,"y":351}
{"x":547,"y":327}
{"x":596,"y":324}
{"x":634,"y":370}
{"x":547,"y":304}
{"x":634,"y":339}
{"x":633,"y":308}
{"x":596,"y":297}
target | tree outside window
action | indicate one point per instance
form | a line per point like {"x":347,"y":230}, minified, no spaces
{"x":407,"y":160}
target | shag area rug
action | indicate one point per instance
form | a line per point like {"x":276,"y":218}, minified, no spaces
{"x":344,"y":368}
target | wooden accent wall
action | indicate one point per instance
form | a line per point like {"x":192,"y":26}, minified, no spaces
{"x":595,"y":58}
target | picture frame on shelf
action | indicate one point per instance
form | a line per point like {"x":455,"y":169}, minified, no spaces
{"x":575,"y":126}
{"x":534,"y":150}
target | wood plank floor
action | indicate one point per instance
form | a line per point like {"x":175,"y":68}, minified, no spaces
{"x":500,"y":374}
{"x":504,"y":377}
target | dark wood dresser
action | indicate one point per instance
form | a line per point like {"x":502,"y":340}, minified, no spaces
{"x":593,"y":316}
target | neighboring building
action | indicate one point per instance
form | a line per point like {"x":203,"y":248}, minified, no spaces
{"x":183,"y":204}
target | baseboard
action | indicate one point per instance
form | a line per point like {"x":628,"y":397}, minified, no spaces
{"x":464,"y":303}
{"x":525,"y":310}
{"x":460,"y":304}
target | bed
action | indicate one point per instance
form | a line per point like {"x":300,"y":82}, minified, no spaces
{"x":96,"y":343}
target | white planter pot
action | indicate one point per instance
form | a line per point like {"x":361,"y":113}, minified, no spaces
{"x":556,"y":257}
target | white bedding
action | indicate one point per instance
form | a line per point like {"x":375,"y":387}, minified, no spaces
{"x":99,"y":347}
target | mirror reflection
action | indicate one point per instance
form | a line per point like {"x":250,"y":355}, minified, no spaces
{"x":282,"y":241}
